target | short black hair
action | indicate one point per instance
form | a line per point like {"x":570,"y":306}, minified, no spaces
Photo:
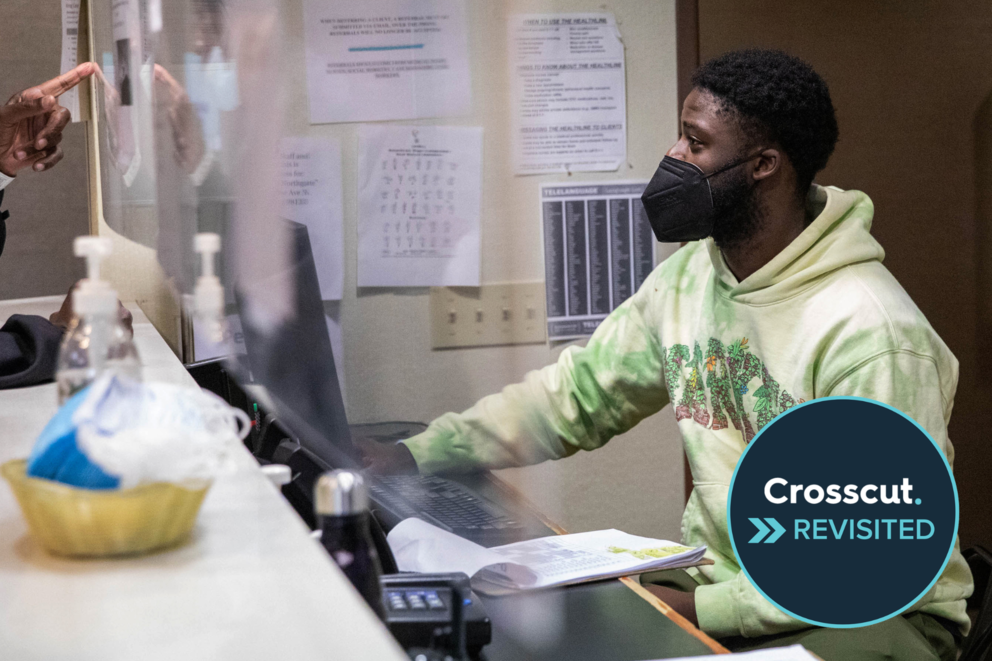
{"x":779,"y":97}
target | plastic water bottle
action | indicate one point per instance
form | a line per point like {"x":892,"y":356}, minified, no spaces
{"x":96,"y":341}
{"x":342,"y":508}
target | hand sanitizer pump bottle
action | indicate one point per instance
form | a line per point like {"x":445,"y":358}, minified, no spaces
{"x":96,"y":342}
{"x":208,"y":294}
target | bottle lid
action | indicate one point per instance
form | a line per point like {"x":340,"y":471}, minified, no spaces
{"x":93,"y":295}
{"x":279,"y":474}
{"x":341,"y":493}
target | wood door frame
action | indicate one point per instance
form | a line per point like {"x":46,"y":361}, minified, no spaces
{"x":687,"y":60}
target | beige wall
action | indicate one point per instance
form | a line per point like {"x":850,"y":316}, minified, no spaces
{"x":391,"y":373}
{"x":46,"y":210}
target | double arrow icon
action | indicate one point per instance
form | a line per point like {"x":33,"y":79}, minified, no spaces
{"x":764,"y":530}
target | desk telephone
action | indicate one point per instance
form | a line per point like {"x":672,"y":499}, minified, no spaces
{"x":430,"y":611}
{"x":435,"y":612}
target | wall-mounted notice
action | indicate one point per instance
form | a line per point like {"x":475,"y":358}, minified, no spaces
{"x":598,"y":249}
{"x":568,"y":95}
{"x":386,"y":59}
{"x":70,"y":41}
{"x":233,"y":342}
{"x":311,"y":182}
{"x":419,"y":196}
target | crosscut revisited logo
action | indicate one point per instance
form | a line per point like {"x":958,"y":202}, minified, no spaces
{"x":843,"y":512}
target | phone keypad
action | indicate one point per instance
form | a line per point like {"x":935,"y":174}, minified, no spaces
{"x":417,"y":600}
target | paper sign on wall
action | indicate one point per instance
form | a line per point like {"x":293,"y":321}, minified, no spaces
{"x":568,"y":94}
{"x":386,"y":59}
{"x":311,"y":178}
{"x":598,"y":250}
{"x":419,"y":196}
{"x":232,"y":343}
{"x":70,"y":41}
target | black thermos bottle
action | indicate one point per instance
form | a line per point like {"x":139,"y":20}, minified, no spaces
{"x":342,"y":505}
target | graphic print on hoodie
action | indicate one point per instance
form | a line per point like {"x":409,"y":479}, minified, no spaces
{"x":713,"y":395}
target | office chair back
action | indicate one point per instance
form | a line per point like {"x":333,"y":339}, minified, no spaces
{"x":977,"y":645}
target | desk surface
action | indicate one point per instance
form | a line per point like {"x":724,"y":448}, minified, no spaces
{"x":250,"y":584}
{"x":616,"y":619}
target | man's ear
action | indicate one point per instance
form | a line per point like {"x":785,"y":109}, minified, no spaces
{"x":769,"y":161}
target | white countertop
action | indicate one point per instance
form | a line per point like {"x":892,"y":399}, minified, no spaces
{"x":250,"y":584}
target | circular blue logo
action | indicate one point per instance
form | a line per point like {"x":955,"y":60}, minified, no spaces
{"x":842,"y":512}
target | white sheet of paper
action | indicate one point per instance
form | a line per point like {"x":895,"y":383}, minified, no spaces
{"x":204,"y":348}
{"x":386,"y":59}
{"x":122,"y":70}
{"x":70,"y":40}
{"x":568,"y":94}
{"x":311,"y":177}
{"x":154,"y":15}
{"x":790,"y":653}
{"x":419,"y":196}
{"x":418,"y":546}
{"x":542,"y":562}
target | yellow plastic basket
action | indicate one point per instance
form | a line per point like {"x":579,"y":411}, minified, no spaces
{"x":96,"y":523}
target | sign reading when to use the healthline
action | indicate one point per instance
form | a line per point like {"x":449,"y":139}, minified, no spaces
{"x":568,"y":95}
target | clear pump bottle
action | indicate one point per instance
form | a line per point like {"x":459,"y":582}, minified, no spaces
{"x":208,"y":295}
{"x":96,"y":342}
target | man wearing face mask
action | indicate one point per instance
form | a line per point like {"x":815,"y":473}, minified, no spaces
{"x":779,"y":297}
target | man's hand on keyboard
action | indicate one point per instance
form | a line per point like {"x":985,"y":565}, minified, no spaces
{"x":386,"y":458}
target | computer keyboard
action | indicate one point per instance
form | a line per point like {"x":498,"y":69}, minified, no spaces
{"x":444,"y":503}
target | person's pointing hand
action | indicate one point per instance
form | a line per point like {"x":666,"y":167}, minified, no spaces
{"x":32,"y":121}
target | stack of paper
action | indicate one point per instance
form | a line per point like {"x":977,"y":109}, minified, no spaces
{"x":791,"y":653}
{"x":538,"y":563}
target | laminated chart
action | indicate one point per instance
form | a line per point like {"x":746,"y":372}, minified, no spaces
{"x":598,"y":249}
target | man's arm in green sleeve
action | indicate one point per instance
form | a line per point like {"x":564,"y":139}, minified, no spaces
{"x":911,"y":383}
{"x":901,"y":379}
{"x":590,"y":395}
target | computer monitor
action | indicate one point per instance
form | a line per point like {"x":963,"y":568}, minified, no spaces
{"x":289,"y":353}
{"x":293,"y":360}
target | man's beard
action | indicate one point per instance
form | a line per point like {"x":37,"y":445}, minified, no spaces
{"x":737,"y":213}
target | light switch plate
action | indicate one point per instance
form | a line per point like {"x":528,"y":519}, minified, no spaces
{"x":490,"y":315}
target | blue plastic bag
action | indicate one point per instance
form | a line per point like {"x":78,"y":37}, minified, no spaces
{"x":56,"y":455}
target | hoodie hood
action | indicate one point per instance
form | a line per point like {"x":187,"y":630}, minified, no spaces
{"x":838,"y":236}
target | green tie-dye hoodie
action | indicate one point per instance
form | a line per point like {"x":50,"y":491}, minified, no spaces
{"x":822,"y":318}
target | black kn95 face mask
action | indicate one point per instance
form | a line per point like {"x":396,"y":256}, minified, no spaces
{"x":679,"y":202}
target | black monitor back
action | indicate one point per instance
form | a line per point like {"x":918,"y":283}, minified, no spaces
{"x":294,"y":361}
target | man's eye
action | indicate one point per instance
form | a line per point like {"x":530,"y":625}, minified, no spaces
{"x":693,"y":141}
